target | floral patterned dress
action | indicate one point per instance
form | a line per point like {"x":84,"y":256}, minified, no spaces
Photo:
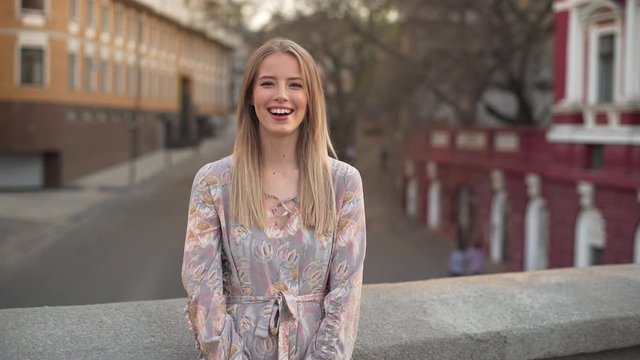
{"x":281,"y":293}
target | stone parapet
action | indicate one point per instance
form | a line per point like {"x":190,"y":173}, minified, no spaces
{"x":537,"y":315}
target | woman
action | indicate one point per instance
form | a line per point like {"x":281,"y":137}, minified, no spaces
{"x":275,"y":238}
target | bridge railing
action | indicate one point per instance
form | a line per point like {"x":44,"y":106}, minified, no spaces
{"x":548,"y":314}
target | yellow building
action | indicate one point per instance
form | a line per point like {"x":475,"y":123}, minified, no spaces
{"x":85,"y":84}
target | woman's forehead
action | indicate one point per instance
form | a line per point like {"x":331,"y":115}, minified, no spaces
{"x":279,"y":65}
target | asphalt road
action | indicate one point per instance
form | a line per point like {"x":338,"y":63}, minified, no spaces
{"x":129,"y":247}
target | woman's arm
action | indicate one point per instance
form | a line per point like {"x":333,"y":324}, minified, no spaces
{"x":202,"y":274}
{"x":337,"y":333}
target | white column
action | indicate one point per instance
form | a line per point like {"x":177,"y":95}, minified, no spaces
{"x":632,"y":51}
{"x":575,"y":58}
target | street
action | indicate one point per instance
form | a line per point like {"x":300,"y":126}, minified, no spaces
{"x":129,"y":247}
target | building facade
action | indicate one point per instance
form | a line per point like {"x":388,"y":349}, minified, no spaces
{"x":85,"y":84}
{"x":566,"y":195}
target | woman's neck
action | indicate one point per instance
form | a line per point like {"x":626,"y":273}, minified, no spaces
{"x":279,"y":153}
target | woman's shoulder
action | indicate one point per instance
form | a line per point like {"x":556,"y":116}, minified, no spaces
{"x":218,"y":169}
{"x":343,"y":172}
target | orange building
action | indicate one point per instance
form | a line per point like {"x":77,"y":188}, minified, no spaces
{"x":85,"y":84}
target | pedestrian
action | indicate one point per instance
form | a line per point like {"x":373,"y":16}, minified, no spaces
{"x":475,"y":257}
{"x":457,"y":261}
{"x":275,"y":240}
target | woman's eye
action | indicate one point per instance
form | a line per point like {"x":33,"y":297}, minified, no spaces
{"x":266,"y":83}
{"x":296,"y":85}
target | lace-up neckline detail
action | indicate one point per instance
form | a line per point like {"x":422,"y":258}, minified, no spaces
{"x":281,"y":212}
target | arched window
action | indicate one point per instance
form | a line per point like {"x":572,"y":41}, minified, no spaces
{"x":433,"y":205}
{"x":536,"y":235}
{"x":499,"y":222}
{"x":464,"y":210}
{"x":590,"y":238}
{"x":412,"y":197}
{"x":602,"y":22}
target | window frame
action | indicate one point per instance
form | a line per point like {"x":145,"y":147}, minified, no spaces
{"x":73,"y":83}
{"x":31,"y":39}
{"x":116,"y":74}
{"x":45,"y":73}
{"x":90,"y":14}
{"x":89,"y":73}
{"x":118,"y":12}
{"x":105,"y":17}
{"x":103,"y":83}
{"x":24,"y":10}
{"x":596,"y":33}
{"x":73,"y":11}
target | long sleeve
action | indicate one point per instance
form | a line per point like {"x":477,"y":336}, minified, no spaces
{"x":202,"y":274}
{"x":336,"y":336}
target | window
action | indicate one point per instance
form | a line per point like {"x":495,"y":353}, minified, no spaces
{"x":73,"y":10}
{"x":32,"y":65}
{"x":102,"y":76}
{"x":89,"y":13}
{"x":151,"y":40}
{"x":89,"y":70}
{"x":131,"y":80}
{"x":131,"y":26}
{"x":141,"y":29}
{"x":595,"y":154}
{"x":141,"y":82}
{"x":33,"y":5}
{"x":73,"y":71}
{"x":118,"y":21}
{"x":596,"y":256}
{"x":117,"y":79}
{"x":105,"y":17}
{"x":606,"y":52}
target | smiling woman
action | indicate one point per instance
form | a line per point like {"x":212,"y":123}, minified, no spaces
{"x":275,"y":240}
{"x":279,"y":96}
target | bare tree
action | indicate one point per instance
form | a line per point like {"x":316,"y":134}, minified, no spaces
{"x":519,"y":54}
{"x":455,"y":51}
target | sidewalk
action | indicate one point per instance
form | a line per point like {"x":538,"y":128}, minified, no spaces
{"x":27,"y":218}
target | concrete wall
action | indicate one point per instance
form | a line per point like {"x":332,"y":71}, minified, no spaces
{"x":539,"y":315}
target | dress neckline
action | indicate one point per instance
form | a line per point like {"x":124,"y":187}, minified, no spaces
{"x":290,"y":198}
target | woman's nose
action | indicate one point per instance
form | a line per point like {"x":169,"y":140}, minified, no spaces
{"x":281,"y":93}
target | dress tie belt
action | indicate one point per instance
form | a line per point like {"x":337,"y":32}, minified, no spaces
{"x":279,"y":315}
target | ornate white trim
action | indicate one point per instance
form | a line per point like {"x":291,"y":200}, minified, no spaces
{"x":497,"y":180}
{"x":632,"y":51}
{"x":534,"y":186}
{"x":587,"y":193}
{"x":622,"y":135}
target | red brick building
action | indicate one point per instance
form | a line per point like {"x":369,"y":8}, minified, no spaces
{"x":567,"y":195}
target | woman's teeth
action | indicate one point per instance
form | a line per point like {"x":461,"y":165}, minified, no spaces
{"x":280,"y":111}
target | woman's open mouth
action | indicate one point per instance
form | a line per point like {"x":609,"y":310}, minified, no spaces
{"x":280,"y":113}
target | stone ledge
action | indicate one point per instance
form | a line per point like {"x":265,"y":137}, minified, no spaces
{"x":537,"y":315}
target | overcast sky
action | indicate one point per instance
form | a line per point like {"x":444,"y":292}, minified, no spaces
{"x":260,"y":12}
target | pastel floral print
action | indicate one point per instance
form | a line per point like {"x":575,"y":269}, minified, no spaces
{"x":281,"y":293}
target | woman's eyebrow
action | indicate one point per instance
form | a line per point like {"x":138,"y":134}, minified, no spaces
{"x":270,"y":77}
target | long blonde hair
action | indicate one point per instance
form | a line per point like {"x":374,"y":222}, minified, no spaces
{"x":317,"y":198}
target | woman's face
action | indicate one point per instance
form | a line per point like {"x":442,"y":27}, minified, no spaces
{"x":279,"y":95}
